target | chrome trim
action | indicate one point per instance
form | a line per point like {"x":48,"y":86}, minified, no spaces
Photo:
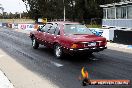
{"x":101,"y":47}
{"x":84,"y":42}
{"x":80,"y":49}
{"x":88,"y":48}
{"x":71,"y":49}
{"x":93,"y":48}
{"x":99,"y":41}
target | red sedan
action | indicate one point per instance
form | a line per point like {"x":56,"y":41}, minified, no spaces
{"x":68,"y":38}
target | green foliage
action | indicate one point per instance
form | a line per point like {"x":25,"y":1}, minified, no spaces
{"x":94,"y":26}
{"x":79,"y":10}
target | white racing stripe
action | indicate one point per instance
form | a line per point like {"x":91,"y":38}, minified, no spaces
{"x":56,"y":64}
{"x":4,"y":82}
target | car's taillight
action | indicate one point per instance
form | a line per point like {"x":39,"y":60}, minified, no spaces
{"x":76,"y":45}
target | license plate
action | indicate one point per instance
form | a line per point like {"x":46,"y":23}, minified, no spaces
{"x":92,"y":44}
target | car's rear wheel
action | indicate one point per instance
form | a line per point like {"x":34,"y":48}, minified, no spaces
{"x":35,"y":44}
{"x":58,"y":51}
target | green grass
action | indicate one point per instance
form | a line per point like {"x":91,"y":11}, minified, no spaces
{"x":94,"y":26}
{"x":17,"y":20}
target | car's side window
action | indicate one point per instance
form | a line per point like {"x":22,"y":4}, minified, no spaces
{"x":57,"y":31}
{"x":47,"y":27}
{"x":51,"y":30}
{"x":43,"y":29}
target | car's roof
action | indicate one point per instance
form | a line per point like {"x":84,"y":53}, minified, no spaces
{"x":65,"y":22}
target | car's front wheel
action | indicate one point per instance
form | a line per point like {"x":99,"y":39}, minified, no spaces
{"x":58,"y":51}
{"x":35,"y":44}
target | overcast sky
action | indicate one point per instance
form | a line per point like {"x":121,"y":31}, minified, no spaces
{"x":13,"y":6}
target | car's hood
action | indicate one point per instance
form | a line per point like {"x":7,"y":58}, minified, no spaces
{"x":86,"y":38}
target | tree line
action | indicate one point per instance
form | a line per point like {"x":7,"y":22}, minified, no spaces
{"x":81,"y":10}
{"x":5,"y":15}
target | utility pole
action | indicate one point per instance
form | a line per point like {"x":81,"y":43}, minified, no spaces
{"x":64,"y":11}
{"x":20,"y":14}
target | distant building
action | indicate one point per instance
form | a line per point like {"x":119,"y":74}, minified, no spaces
{"x":118,"y":14}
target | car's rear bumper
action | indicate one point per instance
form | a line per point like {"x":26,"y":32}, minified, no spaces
{"x":85,"y":50}
{"x":93,"y":49}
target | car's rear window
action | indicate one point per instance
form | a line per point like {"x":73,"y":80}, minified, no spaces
{"x":76,"y":29}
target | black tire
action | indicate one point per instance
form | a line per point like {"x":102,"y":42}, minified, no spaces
{"x":58,"y":51}
{"x":35,"y":44}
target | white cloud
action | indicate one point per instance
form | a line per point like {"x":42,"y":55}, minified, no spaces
{"x":13,"y":5}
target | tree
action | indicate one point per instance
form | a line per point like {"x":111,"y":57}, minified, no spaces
{"x":75,"y":9}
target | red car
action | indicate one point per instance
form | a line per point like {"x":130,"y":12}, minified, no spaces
{"x":67,"y":38}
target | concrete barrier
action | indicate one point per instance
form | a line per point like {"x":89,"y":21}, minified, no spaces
{"x":108,"y":34}
{"x":20,"y":26}
{"x":4,"y":24}
{"x":15,"y":26}
{"x":105,"y":32}
{"x":26,"y":26}
{"x":9,"y":25}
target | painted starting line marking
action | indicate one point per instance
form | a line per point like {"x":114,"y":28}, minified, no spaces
{"x":57,"y":64}
{"x":4,"y":82}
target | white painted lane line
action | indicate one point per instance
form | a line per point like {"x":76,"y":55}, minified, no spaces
{"x":56,"y":64}
{"x":4,"y":82}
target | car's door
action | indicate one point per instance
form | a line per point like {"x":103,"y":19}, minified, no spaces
{"x":57,"y":33}
{"x":42,"y":34}
{"x":51,"y":35}
{"x":45,"y":36}
{"x":39,"y":34}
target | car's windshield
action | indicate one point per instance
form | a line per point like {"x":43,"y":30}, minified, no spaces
{"x":76,"y":29}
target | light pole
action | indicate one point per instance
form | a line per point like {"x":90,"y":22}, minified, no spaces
{"x":64,"y":11}
{"x":20,"y":14}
